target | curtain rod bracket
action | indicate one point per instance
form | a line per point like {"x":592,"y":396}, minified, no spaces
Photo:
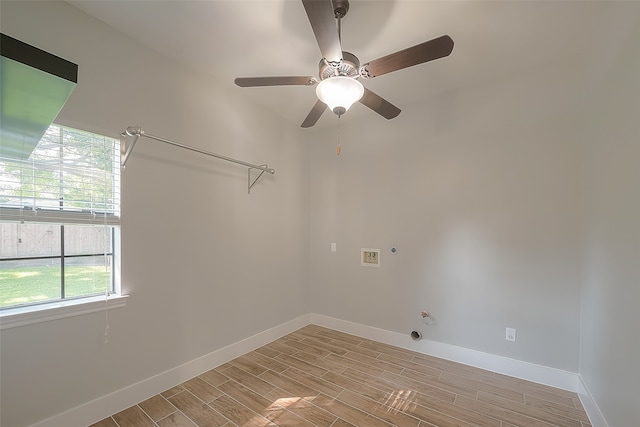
{"x":250,"y":183}
{"x":136,"y":132}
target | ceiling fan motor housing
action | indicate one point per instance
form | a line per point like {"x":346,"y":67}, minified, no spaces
{"x":349,"y":67}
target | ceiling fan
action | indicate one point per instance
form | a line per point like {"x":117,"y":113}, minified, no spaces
{"x":339,"y":71}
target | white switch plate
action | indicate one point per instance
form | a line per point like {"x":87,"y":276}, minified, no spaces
{"x":333,"y":247}
{"x":511,"y":334}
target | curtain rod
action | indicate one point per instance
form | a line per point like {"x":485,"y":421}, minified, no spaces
{"x":137,"y":132}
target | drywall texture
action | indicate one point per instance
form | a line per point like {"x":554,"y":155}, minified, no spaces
{"x":482,"y":199}
{"x":610,"y":348}
{"x":198,"y":254}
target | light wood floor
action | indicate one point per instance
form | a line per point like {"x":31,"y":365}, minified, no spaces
{"x":320,"y":377}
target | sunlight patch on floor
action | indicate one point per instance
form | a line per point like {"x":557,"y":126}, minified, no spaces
{"x":400,"y":401}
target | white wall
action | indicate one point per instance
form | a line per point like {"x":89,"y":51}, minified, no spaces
{"x":199,"y":254}
{"x":482,"y":197}
{"x":610,"y":344}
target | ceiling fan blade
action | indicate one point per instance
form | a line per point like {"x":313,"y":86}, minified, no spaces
{"x":418,"y":54}
{"x":323,"y":23}
{"x":275,"y":81}
{"x":314,"y":114}
{"x":379,"y":104}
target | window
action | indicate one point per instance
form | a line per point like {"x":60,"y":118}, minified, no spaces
{"x":59,"y":220}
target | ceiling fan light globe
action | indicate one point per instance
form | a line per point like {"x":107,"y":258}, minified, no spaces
{"x":339,"y":93}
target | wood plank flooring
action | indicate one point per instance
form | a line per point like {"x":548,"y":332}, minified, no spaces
{"x":321,"y":377}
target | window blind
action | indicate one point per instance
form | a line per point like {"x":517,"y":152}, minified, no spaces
{"x":72,"y":176}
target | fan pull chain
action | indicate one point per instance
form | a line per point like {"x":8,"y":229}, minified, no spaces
{"x":339,"y":147}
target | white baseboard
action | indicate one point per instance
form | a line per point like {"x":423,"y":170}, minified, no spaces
{"x":503,"y":365}
{"x":102,"y":407}
{"x":590,"y":406}
{"x":114,"y":402}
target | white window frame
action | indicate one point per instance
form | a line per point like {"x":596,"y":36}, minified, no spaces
{"x":31,"y":314}
{"x":18,"y":316}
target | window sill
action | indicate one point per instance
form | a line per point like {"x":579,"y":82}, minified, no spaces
{"x":22,"y":316}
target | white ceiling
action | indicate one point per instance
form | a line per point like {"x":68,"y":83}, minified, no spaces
{"x":494,"y":40}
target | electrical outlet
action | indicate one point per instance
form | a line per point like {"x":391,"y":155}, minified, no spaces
{"x":511,"y":334}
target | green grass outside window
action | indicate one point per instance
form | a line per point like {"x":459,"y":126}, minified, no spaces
{"x":29,"y":285}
